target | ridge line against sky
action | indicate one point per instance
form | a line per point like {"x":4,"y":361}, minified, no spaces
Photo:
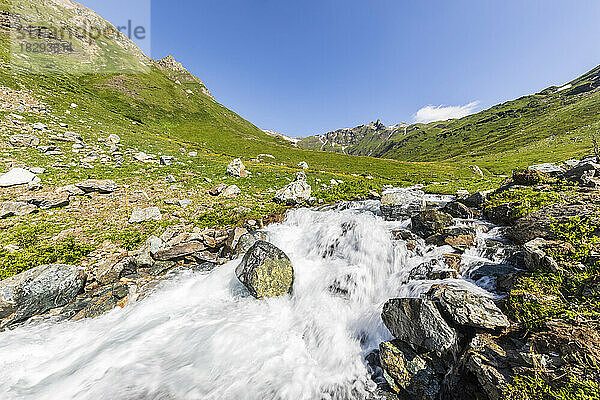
{"x":305,"y":68}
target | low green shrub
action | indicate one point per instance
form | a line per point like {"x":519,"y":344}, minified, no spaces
{"x":34,"y":253}
{"x":357,"y":189}
{"x":541,"y":388}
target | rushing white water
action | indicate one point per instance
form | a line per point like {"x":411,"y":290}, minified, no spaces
{"x":201,"y":336}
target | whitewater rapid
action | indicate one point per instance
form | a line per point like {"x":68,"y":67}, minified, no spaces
{"x":201,"y":336}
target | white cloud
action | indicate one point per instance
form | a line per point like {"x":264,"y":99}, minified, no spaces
{"x":442,"y":113}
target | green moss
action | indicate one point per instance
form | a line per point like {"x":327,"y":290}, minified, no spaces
{"x":580,"y":233}
{"x":524,"y":200}
{"x":348,"y":190}
{"x":540,"y":388}
{"x":35,"y":253}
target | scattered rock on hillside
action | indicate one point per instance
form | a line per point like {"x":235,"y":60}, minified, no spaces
{"x":38,"y":126}
{"x":402,"y":204}
{"x":418,"y":375}
{"x":297,"y":192}
{"x":467,"y":309}
{"x":237,"y":168}
{"x":430,"y":222}
{"x":70,"y":190}
{"x":217,"y":189}
{"x":113,"y":139}
{"x":548,"y":168}
{"x":586,"y":174}
{"x":95,"y":185}
{"x":23,"y":140}
{"x":38,"y":290}
{"x":166,"y":160}
{"x":419,"y":323}
{"x":539,"y":224}
{"x":266,"y":271}
{"x":16,"y":208}
{"x":139,"y":215}
{"x":537,"y":257}
{"x":303,"y":165}
{"x":231,"y":191}
{"x":18,"y":176}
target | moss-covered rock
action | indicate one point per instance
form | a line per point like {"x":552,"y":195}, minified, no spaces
{"x":266,"y":271}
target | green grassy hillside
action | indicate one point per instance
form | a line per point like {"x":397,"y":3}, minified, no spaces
{"x":552,"y":125}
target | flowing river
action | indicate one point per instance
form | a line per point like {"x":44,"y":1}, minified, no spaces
{"x":200,"y":335}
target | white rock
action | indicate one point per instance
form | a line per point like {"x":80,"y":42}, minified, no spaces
{"x":17,"y":176}
{"x":237,"y":168}
{"x":297,"y":192}
{"x":38,"y":126}
{"x":145,"y":214}
{"x":303,"y":165}
{"x":37,"y":170}
{"x":114,"y":139}
{"x":231,"y":191}
{"x":73,"y":105}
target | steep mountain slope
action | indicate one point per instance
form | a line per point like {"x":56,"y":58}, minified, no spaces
{"x":361,"y":140}
{"x":143,"y":101}
{"x":563,"y":117}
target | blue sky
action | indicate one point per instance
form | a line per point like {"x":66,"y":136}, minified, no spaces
{"x":307,"y":67}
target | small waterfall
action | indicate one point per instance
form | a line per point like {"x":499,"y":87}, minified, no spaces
{"x":201,"y":336}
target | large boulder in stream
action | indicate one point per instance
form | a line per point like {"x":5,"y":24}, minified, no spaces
{"x":419,"y":323}
{"x":401,"y":204}
{"x":266,"y":271}
{"x":38,"y":290}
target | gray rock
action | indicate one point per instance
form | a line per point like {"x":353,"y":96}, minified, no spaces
{"x":418,"y":375}
{"x":477,"y":200}
{"x":38,"y":126}
{"x":236,"y":168}
{"x":95,"y":185}
{"x":303,"y":165}
{"x":402,"y":204}
{"x":17,"y":176}
{"x":38,"y":290}
{"x":70,"y":190}
{"x":139,"y":215}
{"x":548,"y":168}
{"x":23,"y":140}
{"x":166,"y":160}
{"x":231,"y":191}
{"x":458,"y":210}
{"x":217,"y":189}
{"x":586,"y":174}
{"x":111,"y":270}
{"x":16,"y":208}
{"x":113,"y":138}
{"x":419,"y":323}
{"x":247,"y":240}
{"x":266,"y":271}
{"x":536,"y":257}
{"x":467,"y":309}
{"x":297,"y":192}
{"x":160,"y":267}
{"x":430,"y":222}
{"x":179,"y":250}
{"x":491,"y":270}
{"x":433,"y":270}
